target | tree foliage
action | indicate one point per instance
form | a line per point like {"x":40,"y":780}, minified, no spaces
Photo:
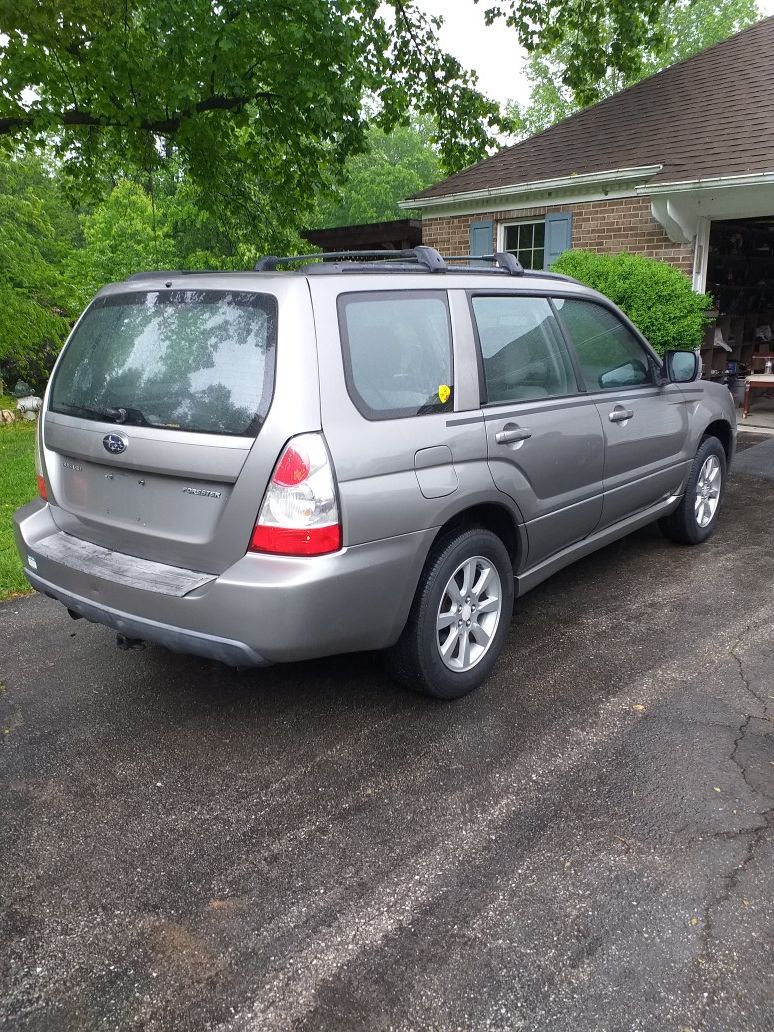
{"x":396,"y":165}
{"x":132,"y":229}
{"x":37,"y":231}
{"x":597,"y":36}
{"x":657,"y":297}
{"x":256,"y":101}
{"x":259,"y":103}
{"x":188,"y":133}
{"x":685,"y":27}
{"x":122,"y":235}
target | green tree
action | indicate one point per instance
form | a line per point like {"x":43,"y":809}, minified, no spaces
{"x":597,"y":37}
{"x":685,"y":27}
{"x":210,"y":231}
{"x":123,"y":234}
{"x":165,"y":227}
{"x":257,"y":102}
{"x":396,"y":165}
{"x":37,"y":232}
{"x":261,"y":103}
{"x":204,"y":236}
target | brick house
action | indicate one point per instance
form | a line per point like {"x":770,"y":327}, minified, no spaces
{"x":678,"y":167}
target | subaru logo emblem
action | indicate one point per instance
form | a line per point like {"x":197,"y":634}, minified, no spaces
{"x":115,"y":443}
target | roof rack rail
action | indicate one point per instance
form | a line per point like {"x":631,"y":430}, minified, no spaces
{"x":506,"y":261}
{"x":427,"y":257}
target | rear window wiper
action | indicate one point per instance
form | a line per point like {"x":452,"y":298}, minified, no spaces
{"x":131,"y":415}
{"x":111,"y":415}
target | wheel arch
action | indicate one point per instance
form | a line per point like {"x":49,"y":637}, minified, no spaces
{"x":721,"y":429}
{"x":492,"y":516}
{"x":415,"y":658}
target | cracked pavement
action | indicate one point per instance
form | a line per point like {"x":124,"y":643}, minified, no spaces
{"x":585,"y":844}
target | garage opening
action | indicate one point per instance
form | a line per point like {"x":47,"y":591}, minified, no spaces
{"x":739,"y":348}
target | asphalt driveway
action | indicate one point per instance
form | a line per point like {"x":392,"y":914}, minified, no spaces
{"x":585,"y":844}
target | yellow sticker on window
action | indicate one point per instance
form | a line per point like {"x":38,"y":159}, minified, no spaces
{"x":444,"y":393}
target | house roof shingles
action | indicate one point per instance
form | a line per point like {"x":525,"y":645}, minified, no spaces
{"x":708,"y":116}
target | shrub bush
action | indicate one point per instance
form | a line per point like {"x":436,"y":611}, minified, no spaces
{"x":657,"y":297}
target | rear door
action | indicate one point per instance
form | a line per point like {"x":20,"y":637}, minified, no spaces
{"x":158,"y":436}
{"x":389,"y":379}
{"x":544,"y":438}
{"x":645,"y":425}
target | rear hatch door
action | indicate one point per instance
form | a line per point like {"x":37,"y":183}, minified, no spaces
{"x":159,"y":432}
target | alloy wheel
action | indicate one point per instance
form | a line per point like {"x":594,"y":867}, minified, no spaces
{"x":469,"y":613}
{"x":708,"y":487}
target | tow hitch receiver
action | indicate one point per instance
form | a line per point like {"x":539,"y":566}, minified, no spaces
{"x":126,"y":644}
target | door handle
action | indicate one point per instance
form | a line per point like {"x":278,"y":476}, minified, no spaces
{"x":620,"y":415}
{"x":512,"y":434}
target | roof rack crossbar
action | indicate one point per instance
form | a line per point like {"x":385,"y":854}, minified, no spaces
{"x":506,"y":261}
{"x":425,"y":256}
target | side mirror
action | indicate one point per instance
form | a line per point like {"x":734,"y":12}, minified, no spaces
{"x":681,"y":366}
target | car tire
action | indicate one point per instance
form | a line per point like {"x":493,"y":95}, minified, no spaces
{"x":696,"y":517}
{"x":465,"y":595}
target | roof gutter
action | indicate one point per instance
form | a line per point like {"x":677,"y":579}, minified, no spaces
{"x":717,"y":183}
{"x":681,"y":205}
{"x":573,"y":182}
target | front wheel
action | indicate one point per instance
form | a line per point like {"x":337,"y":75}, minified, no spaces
{"x":697,"y":514}
{"x":459,"y":618}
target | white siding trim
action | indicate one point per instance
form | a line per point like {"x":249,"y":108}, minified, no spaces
{"x":700,"y":253}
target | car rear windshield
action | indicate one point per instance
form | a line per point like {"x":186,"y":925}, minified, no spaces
{"x":195,"y":360}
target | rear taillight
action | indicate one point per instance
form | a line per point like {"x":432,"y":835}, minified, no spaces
{"x":300,"y":512}
{"x":42,"y":489}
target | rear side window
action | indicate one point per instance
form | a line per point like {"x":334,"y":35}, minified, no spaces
{"x":397,"y":352}
{"x":610,"y":355}
{"x":523,"y":354}
{"x":196,"y":360}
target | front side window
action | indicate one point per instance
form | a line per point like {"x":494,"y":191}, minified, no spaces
{"x":196,"y":360}
{"x":526,"y":241}
{"x":524,"y":357}
{"x":609,"y":354}
{"x":397,"y":352}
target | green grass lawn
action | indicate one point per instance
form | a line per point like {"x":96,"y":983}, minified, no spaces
{"x":17,"y":486}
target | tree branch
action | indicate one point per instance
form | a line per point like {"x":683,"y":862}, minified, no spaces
{"x":67,"y":77}
{"x":162,"y":126}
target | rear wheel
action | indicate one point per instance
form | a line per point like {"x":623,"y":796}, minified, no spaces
{"x":459,"y":619}
{"x":697,"y":514}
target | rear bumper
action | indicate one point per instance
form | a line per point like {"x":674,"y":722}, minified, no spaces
{"x":263,"y":609}
{"x":178,"y":639}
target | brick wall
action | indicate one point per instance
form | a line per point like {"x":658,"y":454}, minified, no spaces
{"x":624,"y":224}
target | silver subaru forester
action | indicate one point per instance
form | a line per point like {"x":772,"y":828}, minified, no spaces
{"x":367,"y":452}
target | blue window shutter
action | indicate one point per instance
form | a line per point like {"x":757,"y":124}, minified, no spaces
{"x":558,"y":236}
{"x":480,"y":241}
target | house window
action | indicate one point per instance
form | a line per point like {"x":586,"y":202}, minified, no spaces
{"x":526,"y":240}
